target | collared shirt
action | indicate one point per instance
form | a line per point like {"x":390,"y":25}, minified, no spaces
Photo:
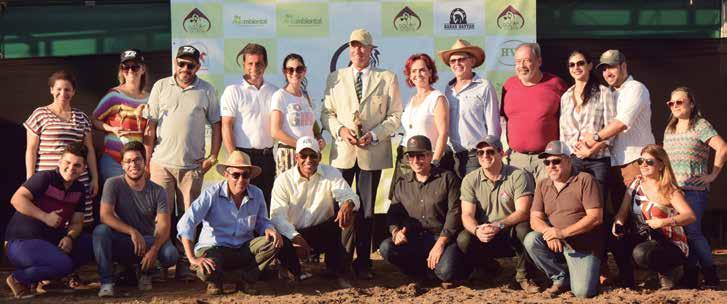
{"x":473,"y":113}
{"x":181,"y":116}
{"x":223,"y":224}
{"x":593,"y":116}
{"x":431,"y":206}
{"x":298,"y":202}
{"x":251,"y":108}
{"x":633,"y":108}
{"x":567,"y":206}
{"x":495,"y":200}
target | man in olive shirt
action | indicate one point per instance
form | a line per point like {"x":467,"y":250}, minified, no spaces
{"x":495,"y":211}
{"x":424,"y":219}
{"x":566,"y":215}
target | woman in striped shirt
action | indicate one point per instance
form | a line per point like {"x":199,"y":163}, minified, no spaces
{"x":50,"y":128}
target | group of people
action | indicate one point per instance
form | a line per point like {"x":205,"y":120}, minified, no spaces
{"x":581,"y":176}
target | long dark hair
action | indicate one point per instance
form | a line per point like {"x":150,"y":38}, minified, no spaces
{"x":294,"y":56}
{"x":591,"y":87}
{"x":695,"y":115}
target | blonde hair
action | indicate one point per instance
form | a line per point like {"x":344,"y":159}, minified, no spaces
{"x":667,"y":181}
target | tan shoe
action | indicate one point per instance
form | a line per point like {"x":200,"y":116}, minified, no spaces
{"x":214,"y":288}
{"x":555,"y":290}
{"x":529,"y":286}
{"x":20,"y":290}
{"x":247,"y":288}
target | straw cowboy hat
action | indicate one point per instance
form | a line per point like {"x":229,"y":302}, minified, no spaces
{"x":238,"y":159}
{"x":463,"y":46}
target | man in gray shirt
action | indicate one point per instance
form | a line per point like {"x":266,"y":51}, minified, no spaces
{"x":135,"y":223}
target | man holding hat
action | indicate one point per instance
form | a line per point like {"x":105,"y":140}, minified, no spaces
{"x":566,"y":217}
{"x":311,"y":203}
{"x":473,"y":107}
{"x":361,"y":108}
{"x":495,"y":212}
{"x":531,"y":108}
{"x":424,"y":219}
{"x":232,"y":212}
{"x":179,"y":108}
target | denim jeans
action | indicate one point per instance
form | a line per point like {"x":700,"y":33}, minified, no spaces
{"x":36,"y":260}
{"x":110,"y":246}
{"x":107,"y":168}
{"x":411,"y":257}
{"x":579,"y":270}
{"x":699,"y":250}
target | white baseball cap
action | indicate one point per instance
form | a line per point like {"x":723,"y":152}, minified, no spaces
{"x":307,"y":142}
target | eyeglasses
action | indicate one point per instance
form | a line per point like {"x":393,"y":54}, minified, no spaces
{"x":672,"y":103}
{"x":488,"y":152}
{"x":132,"y":67}
{"x":308,"y":155}
{"x":647,"y":161}
{"x":416,"y":155}
{"x":189,"y":65}
{"x":237,"y":175}
{"x":556,"y":161}
{"x":457,"y":60}
{"x":299,"y":69}
{"x":579,"y":63}
{"x":137,"y":161}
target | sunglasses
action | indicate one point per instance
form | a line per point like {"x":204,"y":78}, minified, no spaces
{"x":290,"y":70}
{"x":237,"y":175}
{"x":136,"y":161}
{"x":579,"y":63}
{"x":556,"y":161}
{"x":189,"y":65}
{"x":132,"y":67}
{"x":672,"y":103}
{"x":649,"y":162}
{"x":457,"y":60}
{"x":309,"y":155}
{"x":488,"y":152}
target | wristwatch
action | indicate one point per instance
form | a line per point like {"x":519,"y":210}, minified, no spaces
{"x":596,"y":137}
{"x":500,"y":225}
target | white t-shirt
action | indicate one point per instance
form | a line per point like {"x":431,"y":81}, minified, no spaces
{"x":419,"y":120}
{"x":633,"y":108}
{"x":251,"y":109}
{"x":298,"y":115}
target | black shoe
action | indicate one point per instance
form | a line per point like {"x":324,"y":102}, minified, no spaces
{"x":363,"y":274}
{"x":711,"y":280}
{"x":690,"y":278}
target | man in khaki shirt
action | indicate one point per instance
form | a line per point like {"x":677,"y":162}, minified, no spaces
{"x":495,"y":211}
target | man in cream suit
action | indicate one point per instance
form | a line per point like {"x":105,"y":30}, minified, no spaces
{"x":362,"y":108}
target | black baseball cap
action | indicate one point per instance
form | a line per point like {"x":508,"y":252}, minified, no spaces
{"x":418,"y":143}
{"x":131,"y":54}
{"x":188,"y":51}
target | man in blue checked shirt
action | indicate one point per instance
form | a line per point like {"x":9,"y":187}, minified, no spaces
{"x":232,"y":213}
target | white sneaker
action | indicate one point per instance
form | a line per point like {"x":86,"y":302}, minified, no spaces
{"x":144,"y":282}
{"x":106,"y":290}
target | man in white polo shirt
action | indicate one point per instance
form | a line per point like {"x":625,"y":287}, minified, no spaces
{"x":245,"y":110}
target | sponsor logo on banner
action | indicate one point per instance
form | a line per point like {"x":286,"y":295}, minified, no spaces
{"x":407,"y":20}
{"x":458,"y":21}
{"x":242,"y":21}
{"x":335,"y":65}
{"x":196,"y":22}
{"x":507,"y":52}
{"x":302,"y":21}
{"x":510,"y":19}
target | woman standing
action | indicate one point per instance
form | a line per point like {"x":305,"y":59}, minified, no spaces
{"x":426,"y":113}
{"x":659,"y":212}
{"x":119,"y":113}
{"x":51,"y":128}
{"x":687,"y":139}
{"x":292,"y":114}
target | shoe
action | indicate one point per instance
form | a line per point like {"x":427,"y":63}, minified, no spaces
{"x":55,"y":286}
{"x":450,"y":285}
{"x":363,"y":274}
{"x":690,"y":278}
{"x":711,"y":280}
{"x":247,"y":288}
{"x":666,"y":281}
{"x":214,"y":288}
{"x":144,"y":282}
{"x":20,"y":290}
{"x":106,"y":290}
{"x":183,"y":273}
{"x":528,"y":286}
{"x":555,"y":290}
{"x":343,"y":283}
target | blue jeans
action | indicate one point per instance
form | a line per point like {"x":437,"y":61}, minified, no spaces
{"x":411,"y":257}
{"x":579,"y":270}
{"x":110,"y":246}
{"x":38,"y":260}
{"x":699,"y":250}
{"x":107,"y":168}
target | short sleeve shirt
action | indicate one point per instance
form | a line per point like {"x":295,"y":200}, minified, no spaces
{"x":495,"y":200}
{"x":137,"y":209}
{"x":568,"y":206}
{"x":250,"y":107}
{"x":689,"y":154}
{"x":181,"y":116}
{"x":49,"y":194}
{"x":298,"y":115}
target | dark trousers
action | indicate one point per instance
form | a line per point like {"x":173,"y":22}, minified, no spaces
{"x":324,"y":237}
{"x":357,"y":237}
{"x":507,"y":243}
{"x":264,"y":159}
{"x":36,"y":260}
{"x":599,"y":168}
{"x":460,"y":163}
{"x":411,"y":257}
{"x":658,"y":256}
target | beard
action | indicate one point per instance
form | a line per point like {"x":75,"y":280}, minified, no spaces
{"x":135,"y":178}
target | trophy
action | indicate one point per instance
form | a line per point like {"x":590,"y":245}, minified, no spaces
{"x":359,"y":126}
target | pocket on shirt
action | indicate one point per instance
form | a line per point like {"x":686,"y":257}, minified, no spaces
{"x":247,"y":223}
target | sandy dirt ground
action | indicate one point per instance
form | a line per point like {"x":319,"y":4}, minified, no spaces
{"x":389,"y":287}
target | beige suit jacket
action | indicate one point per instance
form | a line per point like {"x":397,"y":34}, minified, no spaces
{"x":380,"y":112}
